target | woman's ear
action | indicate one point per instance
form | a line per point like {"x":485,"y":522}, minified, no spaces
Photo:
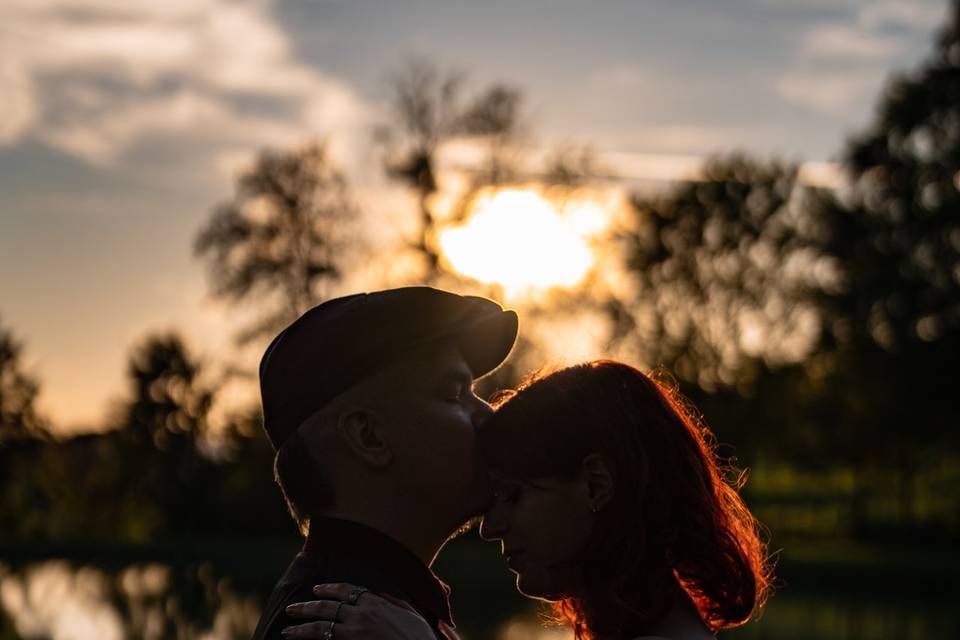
{"x":598,"y":479}
{"x":363,"y":435}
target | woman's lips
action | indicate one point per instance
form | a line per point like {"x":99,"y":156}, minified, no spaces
{"x":513,"y":557}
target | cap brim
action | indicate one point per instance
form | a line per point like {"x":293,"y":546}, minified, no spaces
{"x":486,"y":342}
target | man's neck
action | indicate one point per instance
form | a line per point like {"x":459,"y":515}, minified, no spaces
{"x":424,"y":539}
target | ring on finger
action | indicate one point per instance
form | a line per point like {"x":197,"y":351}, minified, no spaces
{"x":328,"y":634}
{"x":355,"y":595}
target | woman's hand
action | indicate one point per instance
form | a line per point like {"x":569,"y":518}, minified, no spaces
{"x":347,"y":612}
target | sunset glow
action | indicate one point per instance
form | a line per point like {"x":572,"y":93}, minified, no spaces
{"x":520,"y":240}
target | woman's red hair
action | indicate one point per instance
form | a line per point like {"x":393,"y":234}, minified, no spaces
{"x":675,"y":517}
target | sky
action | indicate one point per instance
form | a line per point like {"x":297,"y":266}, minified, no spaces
{"x":123,"y":124}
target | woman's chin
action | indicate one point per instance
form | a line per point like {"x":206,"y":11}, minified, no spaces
{"x":533,"y":588}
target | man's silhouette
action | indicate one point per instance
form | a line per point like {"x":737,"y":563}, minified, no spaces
{"x":368,"y":401}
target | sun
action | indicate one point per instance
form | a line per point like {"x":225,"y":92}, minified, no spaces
{"x":520,"y":240}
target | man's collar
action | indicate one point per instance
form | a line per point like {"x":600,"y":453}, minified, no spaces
{"x":342,"y":538}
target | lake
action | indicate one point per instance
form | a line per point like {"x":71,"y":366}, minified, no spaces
{"x":203,"y":593}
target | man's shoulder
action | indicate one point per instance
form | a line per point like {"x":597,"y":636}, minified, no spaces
{"x":306,"y":571}
{"x":295,"y":585}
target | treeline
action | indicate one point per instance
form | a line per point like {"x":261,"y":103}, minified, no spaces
{"x":154,"y":475}
{"x":817,"y":330}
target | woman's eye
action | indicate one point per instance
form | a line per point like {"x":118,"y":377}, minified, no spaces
{"x":507,"y":492}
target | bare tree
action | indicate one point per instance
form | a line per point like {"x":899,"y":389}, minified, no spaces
{"x":427,"y":106}
{"x":495,"y":116}
{"x":572,"y":166}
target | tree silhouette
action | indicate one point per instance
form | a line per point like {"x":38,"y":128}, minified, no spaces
{"x":897,"y":320}
{"x":162,"y":427}
{"x":571,"y":166}
{"x":23,"y":437}
{"x":168,"y":406}
{"x":18,"y":391}
{"x":283,"y":237}
{"x":727,"y":272}
{"x":426,"y":103}
{"x":901,"y":236}
{"x":495,"y":116}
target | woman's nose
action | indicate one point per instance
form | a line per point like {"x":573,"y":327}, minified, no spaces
{"x":493,"y":525}
{"x":481,"y":412}
{"x":485,"y":532}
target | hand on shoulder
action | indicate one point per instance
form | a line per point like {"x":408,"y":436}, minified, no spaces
{"x":347,"y":612}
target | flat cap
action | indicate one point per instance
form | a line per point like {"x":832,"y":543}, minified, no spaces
{"x":338,"y":343}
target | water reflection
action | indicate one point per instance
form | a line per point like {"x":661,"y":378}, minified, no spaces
{"x":54,"y":600}
{"x":63,"y":600}
{"x":805,"y":616}
{"x":532,"y":628}
{"x":833,"y":617}
{"x":59,"y":600}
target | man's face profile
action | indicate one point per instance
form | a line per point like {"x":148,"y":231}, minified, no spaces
{"x":433,"y":417}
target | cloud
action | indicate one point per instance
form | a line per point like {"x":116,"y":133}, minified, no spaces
{"x":874,"y":31}
{"x":622,"y":77}
{"x":833,"y":41}
{"x":842,"y":63}
{"x":17,"y":108}
{"x":924,"y":15}
{"x":94,"y":78}
{"x":828,"y":92}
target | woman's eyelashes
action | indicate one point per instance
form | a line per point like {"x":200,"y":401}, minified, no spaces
{"x":457,"y":391}
{"x":507,"y":491}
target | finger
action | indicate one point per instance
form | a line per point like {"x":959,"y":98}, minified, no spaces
{"x":311,"y":630}
{"x":314,"y":609}
{"x":335,"y":590}
{"x":341,"y":591}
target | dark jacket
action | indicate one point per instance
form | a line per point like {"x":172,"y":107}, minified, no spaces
{"x":341,"y":551}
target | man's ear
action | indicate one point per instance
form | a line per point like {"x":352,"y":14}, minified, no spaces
{"x":599,"y":481}
{"x":363,"y":435}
